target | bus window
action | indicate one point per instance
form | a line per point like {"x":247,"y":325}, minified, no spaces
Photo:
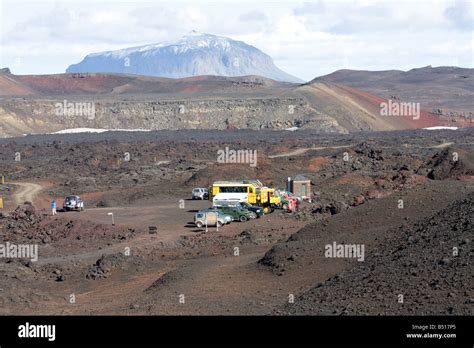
{"x":233,"y":189}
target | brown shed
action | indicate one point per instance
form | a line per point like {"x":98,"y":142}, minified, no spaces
{"x":301,"y":186}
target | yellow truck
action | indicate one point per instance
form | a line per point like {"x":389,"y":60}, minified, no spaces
{"x":250,"y":191}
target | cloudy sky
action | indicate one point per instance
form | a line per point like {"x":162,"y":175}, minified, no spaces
{"x":305,"y":38}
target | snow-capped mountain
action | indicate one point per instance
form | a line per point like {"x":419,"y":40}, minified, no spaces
{"x":194,"y":54}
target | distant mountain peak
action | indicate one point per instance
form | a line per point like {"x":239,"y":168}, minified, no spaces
{"x":193,"y":54}
{"x":194,"y":33}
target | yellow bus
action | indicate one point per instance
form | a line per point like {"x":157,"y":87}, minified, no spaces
{"x":250,"y":191}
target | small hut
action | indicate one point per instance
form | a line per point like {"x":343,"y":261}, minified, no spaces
{"x":301,"y":187}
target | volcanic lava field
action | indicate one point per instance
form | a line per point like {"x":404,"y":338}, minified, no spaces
{"x":406,"y":196}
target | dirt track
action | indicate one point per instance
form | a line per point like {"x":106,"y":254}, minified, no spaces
{"x":26,"y":193}
{"x":301,"y":151}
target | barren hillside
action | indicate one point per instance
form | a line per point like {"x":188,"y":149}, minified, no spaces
{"x":29,"y":104}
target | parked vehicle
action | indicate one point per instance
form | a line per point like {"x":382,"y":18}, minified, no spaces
{"x":209,"y":218}
{"x":238,"y":214}
{"x":250,"y":191}
{"x":289,"y":201}
{"x":257,"y":210}
{"x":243,"y":205}
{"x":289,"y":204}
{"x":227,"y":218}
{"x":298,"y":198}
{"x":286,"y":194}
{"x":200,"y":193}
{"x":73,"y":203}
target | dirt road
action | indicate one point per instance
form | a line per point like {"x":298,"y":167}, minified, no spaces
{"x":302,"y":151}
{"x":27,"y":192}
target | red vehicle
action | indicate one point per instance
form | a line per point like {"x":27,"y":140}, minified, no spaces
{"x":289,"y":201}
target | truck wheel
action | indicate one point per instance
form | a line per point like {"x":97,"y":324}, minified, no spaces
{"x":199,"y":224}
{"x":219,"y":224}
{"x":243,"y":218}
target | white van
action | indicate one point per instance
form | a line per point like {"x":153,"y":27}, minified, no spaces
{"x":209,"y":218}
{"x":200,"y":193}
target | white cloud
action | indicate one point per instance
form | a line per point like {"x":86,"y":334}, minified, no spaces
{"x":305,"y":39}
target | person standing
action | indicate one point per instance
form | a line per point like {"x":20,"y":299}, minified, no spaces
{"x":53,"y":206}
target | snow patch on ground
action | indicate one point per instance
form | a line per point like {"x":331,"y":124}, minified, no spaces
{"x":441,"y":127}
